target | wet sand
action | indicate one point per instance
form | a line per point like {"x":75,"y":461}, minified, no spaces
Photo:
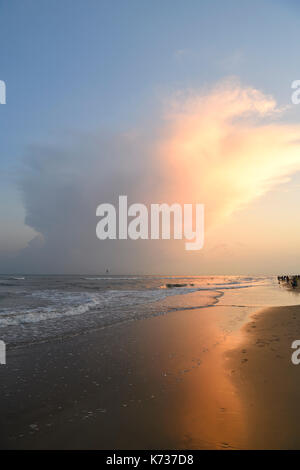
{"x":191,"y":379}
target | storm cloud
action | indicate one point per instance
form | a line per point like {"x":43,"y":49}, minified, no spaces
{"x":224,"y":147}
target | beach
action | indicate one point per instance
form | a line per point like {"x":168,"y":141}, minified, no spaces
{"x":154,"y":383}
{"x":267,"y":380}
{"x":214,"y":377}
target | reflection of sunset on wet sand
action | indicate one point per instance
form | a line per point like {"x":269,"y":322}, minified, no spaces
{"x":202,"y":407}
{"x":209,"y":409}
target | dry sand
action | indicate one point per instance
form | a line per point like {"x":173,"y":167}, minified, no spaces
{"x":267,"y":381}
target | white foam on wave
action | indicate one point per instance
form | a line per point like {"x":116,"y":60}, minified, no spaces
{"x":49,"y":304}
{"x":64,"y":304}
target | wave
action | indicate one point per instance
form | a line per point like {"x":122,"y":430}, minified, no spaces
{"x":52,"y":306}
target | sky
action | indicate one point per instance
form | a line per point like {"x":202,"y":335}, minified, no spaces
{"x":164,"y":101}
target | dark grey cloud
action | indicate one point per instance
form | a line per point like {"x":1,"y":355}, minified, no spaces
{"x":63,"y":184}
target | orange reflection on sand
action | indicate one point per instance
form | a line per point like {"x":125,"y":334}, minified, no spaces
{"x":211,"y":415}
{"x":199,"y":406}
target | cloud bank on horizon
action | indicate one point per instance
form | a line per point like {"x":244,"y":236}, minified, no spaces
{"x":224,"y":147}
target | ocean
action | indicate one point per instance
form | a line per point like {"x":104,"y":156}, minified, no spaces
{"x":35,"y":308}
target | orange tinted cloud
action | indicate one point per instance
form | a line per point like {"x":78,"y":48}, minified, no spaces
{"x":227,"y":147}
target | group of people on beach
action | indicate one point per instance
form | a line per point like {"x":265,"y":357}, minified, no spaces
{"x":292,"y":280}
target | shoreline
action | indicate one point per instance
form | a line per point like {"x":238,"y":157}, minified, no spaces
{"x":170,"y":303}
{"x":135,"y":385}
{"x":196,"y":378}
